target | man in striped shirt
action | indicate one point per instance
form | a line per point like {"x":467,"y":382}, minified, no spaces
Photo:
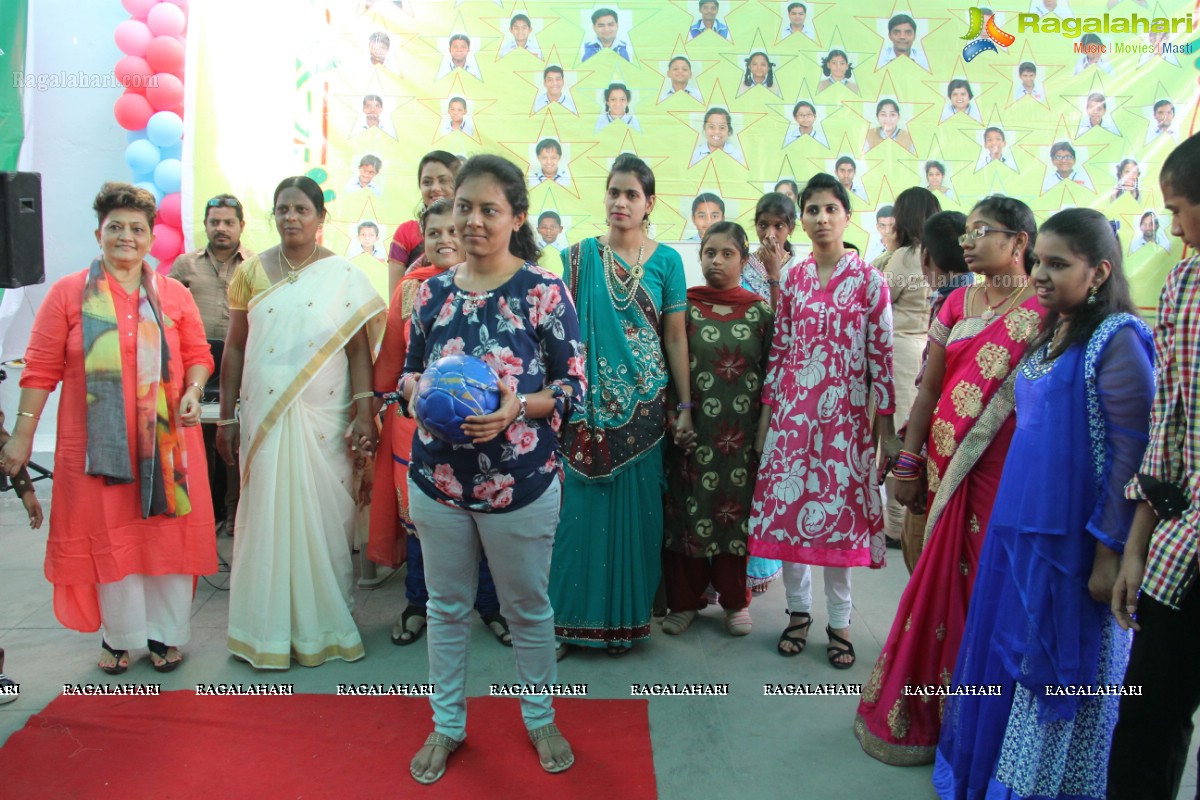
{"x":1154,"y":728}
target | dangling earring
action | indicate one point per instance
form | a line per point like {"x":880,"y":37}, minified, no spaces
{"x":646,"y":224}
{"x":1092,"y":296}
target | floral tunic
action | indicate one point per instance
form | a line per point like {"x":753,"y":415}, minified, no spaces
{"x":816,"y":500}
{"x":708,"y":500}
{"x":527,"y":331}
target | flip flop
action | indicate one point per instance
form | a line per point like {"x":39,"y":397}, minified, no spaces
{"x":504,"y":636}
{"x":118,"y":668}
{"x":158,"y":650}
{"x":403,"y":635}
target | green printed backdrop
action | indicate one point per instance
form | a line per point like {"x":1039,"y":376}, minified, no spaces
{"x":282,"y":92}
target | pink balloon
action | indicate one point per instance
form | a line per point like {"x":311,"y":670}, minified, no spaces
{"x":132,"y":111}
{"x":170,"y":210}
{"x":180,"y":3}
{"x":166,"y":20}
{"x":138,"y":9}
{"x":168,"y":242}
{"x":134,"y":73}
{"x":167,"y":94}
{"x":165,"y":54}
{"x":133,"y":37}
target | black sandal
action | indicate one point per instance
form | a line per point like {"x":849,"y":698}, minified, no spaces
{"x":799,"y":641}
{"x":406,"y":636}
{"x":619,"y":650}
{"x":160,"y":650}
{"x":504,"y":637}
{"x":115,"y":669}
{"x":833,"y":650}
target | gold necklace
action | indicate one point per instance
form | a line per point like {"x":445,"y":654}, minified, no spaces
{"x":294,"y":272}
{"x":990,"y":311}
{"x":628,"y":287}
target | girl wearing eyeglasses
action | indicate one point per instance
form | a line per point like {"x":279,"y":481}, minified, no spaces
{"x":954,"y":449}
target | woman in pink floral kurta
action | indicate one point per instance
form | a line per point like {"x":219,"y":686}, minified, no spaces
{"x":817,"y":500}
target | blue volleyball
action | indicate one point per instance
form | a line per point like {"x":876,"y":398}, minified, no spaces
{"x":452,"y":389}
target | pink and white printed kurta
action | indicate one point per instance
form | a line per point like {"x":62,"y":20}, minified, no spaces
{"x":817,"y":499}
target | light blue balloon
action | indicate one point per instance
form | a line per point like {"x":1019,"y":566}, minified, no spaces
{"x":174,"y":151}
{"x":167,"y":175}
{"x":142,"y":156}
{"x":165,"y":128}
{"x":143,"y":177}
{"x":152,"y":189}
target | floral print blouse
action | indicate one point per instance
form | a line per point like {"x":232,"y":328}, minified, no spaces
{"x":528,"y":332}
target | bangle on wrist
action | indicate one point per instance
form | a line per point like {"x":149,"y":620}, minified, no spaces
{"x":363,"y":396}
{"x":523,"y":402}
{"x":29,"y":414}
{"x":772,"y":281}
{"x":688,"y":406}
{"x":221,"y":423}
{"x":197,"y":386}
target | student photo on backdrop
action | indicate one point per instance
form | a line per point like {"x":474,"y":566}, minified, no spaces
{"x":1094,"y":54}
{"x":837,"y":69}
{"x":902,"y":42}
{"x":607,"y":34}
{"x":617,"y":108}
{"x":554,"y":90}
{"x":379,"y":46}
{"x":1096,"y":115}
{"x":373,"y":116}
{"x":1162,"y":121}
{"x":707,"y":210}
{"x":520,"y":36}
{"x":369,"y":167}
{"x":1150,"y":231}
{"x":846,"y":171}
{"x":807,"y":124}
{"x":549,"y":164}
{"x":367,"y":241}
{"x":960,"y":99}
{"x":457,"y":118}
{"x":887,"y":114}
{"x":550,"y":230}
{"x":459,"y":57}
{"x":760,"y":71}
{"x":1028,"y":84}
{"x":1063,"y":168}
{"x":680,"y":78}
{"x":994,"y":148}
{"x":936,"y":179}
{"x":716,"y":133}
{"x":1129,"y":175}
{"x":795,"y":20}
{"x":709,"y":21}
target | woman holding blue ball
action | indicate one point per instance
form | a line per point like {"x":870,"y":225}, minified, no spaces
{"x":499,"y":493}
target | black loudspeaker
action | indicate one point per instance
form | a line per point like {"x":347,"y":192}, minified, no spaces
{"x":22,"y":256}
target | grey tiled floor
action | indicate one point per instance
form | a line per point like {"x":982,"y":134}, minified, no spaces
{"x":744,"y":745}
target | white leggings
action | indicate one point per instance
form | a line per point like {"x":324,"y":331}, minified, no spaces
{"x":142,"y":607}
{"x":797,"y":580}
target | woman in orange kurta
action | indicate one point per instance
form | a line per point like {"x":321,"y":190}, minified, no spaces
{"x":123,"y":549}
{"x":392,"y":538}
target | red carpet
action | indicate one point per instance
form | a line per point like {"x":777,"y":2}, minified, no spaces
{"x":179,"y":745}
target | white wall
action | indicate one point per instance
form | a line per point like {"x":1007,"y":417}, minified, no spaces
{"x":73,"y":140}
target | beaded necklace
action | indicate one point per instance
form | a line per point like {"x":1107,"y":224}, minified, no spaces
{"x":622,"y":292}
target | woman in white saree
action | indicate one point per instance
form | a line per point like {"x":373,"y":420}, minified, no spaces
{"x":298,"y":355}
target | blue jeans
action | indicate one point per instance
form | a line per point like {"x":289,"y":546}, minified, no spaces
{"x":486,"y":601}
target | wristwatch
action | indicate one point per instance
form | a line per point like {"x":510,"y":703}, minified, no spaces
{"x":521,"y":416}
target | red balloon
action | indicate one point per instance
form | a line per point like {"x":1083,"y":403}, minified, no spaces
{"x":133,"y":37}
{"x":165,"y":54}
{"x":170,"y":210}
{"x":132,"y":111}
{"x":167,"y":93}
{"x":164,"y":267}
{"x":134,"y":73}
{"x":168,"y":242}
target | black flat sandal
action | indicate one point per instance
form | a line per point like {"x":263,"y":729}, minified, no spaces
{"x":504,"y":636}
{"x":838,"y":648}
{"x":799,"y":641}
{"x":160,"y":650}
{"x":404,"y":636}
{"x":115,"y":669}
